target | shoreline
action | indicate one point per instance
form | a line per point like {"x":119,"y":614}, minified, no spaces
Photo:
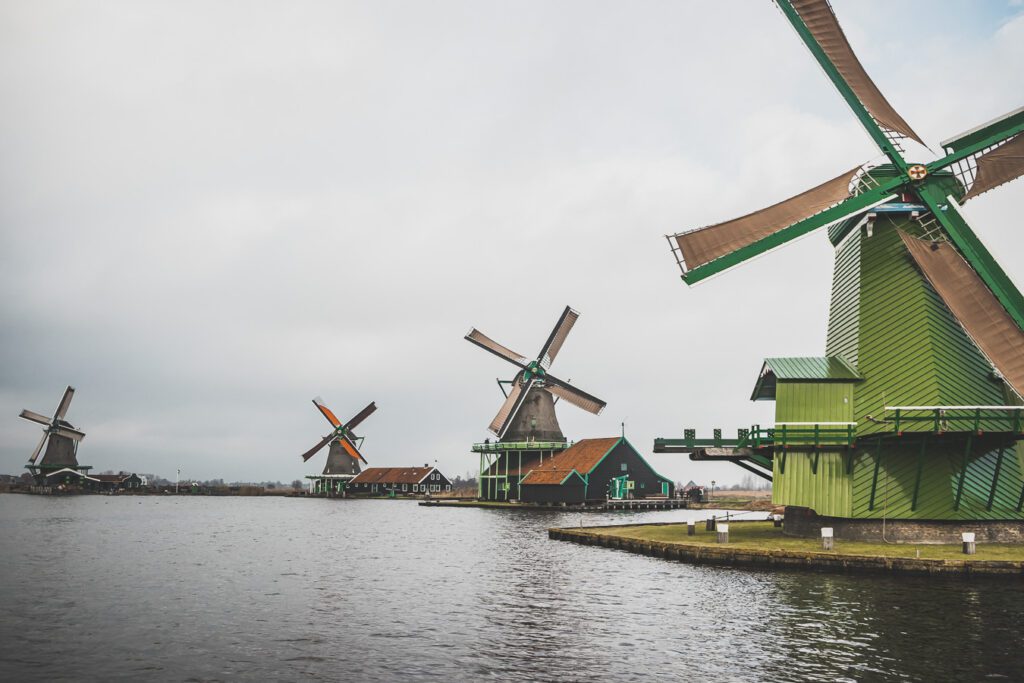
{"x":748,"y":555}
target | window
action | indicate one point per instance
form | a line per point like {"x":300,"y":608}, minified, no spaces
{"x":623,"y":466}
{"x":448,"y":487}
{"x":405,"y":487}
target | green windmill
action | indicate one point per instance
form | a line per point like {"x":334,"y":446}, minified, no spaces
{"x":913,"y":415}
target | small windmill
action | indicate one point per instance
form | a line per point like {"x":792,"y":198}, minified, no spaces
{"x":343,"y":456}
{"x":528,"y":412}
{"x":59,"y":436}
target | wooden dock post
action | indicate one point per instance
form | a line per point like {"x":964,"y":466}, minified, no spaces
{"x":691,"y":527}
{"x":709,"y":523}
{"x":723,"y":533}
{"x":969,"y":546}
{"x":777,"y":520}
{"x":828,"y":541}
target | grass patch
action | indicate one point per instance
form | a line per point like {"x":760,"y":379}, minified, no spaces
{"x":765,"y":536}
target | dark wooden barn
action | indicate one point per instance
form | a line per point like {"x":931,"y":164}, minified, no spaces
{"x":594,"y":470}
{"x":396,"y":481}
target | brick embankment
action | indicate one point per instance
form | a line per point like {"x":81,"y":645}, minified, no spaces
{"x":769,"y":558}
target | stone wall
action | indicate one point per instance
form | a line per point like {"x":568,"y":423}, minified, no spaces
{"x":805,"y":523}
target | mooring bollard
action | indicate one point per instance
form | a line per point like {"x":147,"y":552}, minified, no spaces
{"x":828,"y":542}
{"x":723,"y":533}
{"x":709,"y":523}
{"x":777,"y":520}
{"x":968,"y":538}
{"x":691,"y":527}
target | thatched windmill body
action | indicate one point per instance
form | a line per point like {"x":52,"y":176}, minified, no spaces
{"x":913,"y":412}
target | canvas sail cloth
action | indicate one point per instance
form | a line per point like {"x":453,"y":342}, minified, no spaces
{"x":974,"y":306}
{"x":821,"y":22}
{"x":706,"y":244}
{"x":998,"y":166}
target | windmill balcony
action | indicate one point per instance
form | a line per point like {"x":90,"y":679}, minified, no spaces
{"x":502,"y":446}
{"x":783,"y":435}
{"x":1007,"y":421}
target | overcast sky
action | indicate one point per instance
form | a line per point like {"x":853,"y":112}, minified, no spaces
{"x":211,"y":212}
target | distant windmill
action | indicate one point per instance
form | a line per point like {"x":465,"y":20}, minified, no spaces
{"x":528,"y":412}
{"x":343,"y":456}
{"x":59,"y":436}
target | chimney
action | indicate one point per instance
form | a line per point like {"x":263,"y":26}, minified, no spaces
{"x":426,"y":464}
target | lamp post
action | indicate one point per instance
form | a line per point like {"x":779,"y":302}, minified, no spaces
{"x":177,"y":478}
{"x":712,"y":489}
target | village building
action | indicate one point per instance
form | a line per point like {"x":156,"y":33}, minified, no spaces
{"x":116,"y":482}
{"x":593,"y":471}
{"x":395,"y":481}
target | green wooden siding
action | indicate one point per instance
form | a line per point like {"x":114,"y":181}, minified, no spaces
{"x":814,"y":402}
{"x":843,"y":330}
{"x":828,"y":491}
{"x":940,"y":476}
{"x":889,"y":322}
{"x":911,"y":350}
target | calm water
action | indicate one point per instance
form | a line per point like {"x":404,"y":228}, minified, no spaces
{"x":104,"y":588}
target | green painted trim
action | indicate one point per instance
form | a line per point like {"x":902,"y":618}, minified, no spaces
{"x":946,"y":210}
{"x":859,"y":110}
{"x":977,"y":140}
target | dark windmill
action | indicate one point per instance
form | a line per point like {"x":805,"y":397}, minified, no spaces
{"x":526,"y":425}
{"x":60,"y":438}
{"x":343,"y":456}
{"x":913,"y":417}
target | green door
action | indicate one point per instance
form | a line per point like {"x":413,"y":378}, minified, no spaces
{"x":664,"y":488}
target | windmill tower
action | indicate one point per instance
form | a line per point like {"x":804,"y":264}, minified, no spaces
{"x":913,"y":415}
{"x":343,"y":456}
{"x":526,"y":424}
{"x":61,"y":441}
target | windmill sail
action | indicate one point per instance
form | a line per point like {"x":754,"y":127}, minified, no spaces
{"x":998,"y":166}
{"x":558,"y":336}
{"x":483,"y":341}
{"x":315,"y":449}
{"x":974,"y":306}
{"x":508,"y":408}
{"x":360,"y":416}
{"x":578,"y":398}
{"x":819,"y":19}
{"x":704,"y":245}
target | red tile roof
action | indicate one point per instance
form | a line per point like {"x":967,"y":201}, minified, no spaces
{"x":547,"y":476}
{"x":392,"y":475}
{"x":582,"y":456}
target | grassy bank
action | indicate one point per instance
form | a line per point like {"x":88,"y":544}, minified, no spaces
{"x":765,"y":536}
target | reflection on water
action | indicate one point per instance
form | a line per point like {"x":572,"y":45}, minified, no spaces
{"x":278,"y":589}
